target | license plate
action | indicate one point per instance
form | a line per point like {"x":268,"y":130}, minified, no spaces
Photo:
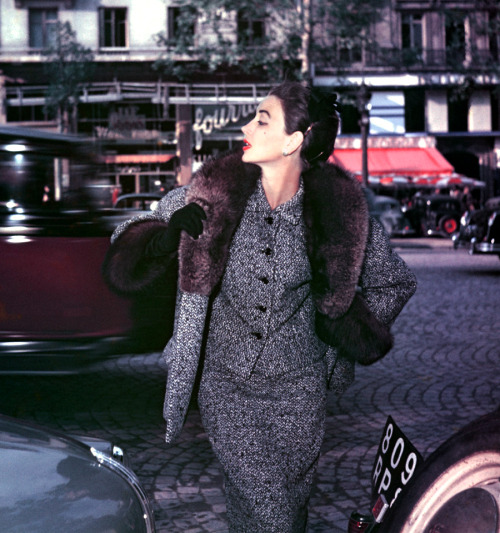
{"x":396,"y":463}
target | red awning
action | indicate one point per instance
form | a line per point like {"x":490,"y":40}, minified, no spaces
{"x":394,"y":161}
{"x":137,"y":158}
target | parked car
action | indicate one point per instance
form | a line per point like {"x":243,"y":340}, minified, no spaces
{"x":480,"y":229}
{"x":387,"y":210}
{"x":54,"y":483}
{"x":390,"y":214}
{"x":56,"y":313}
{"x":142,"y":201}
{"x":434,"y":215}
{"x":455,"y":489}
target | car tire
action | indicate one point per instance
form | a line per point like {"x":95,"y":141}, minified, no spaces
{"x":463,"y":470}
{"x":448,"y":225}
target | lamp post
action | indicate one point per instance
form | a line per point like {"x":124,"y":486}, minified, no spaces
{"x":363,"y":104}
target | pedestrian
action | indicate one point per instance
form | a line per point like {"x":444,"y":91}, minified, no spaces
{"x":284,"y":282}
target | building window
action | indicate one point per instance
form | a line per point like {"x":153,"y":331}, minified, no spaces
{"x":349,"y":51}
{"x":458,"y":113}
{"x":455,"y":38}
{"x":180,"y":24}
{"x":41,"y":25}
{"x":251,"y":30}
{"x":494,"y":37}
{"x":414,"y":110}
{"x":411,"y":32}
{"x":113,"y":27}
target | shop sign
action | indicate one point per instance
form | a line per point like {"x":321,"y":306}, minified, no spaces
{"x":210,"y":118}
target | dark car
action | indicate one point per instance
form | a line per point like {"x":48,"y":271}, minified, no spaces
{"x":141,"y":201}
{"x":434,"y":215}
{"x":480,"y":229}
{"x":389,"y":212}
{"x":51,"y":482}
{"x":56,"y":313}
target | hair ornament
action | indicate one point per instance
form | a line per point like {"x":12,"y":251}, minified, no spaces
{"x":308,"y":129}
{"x":323,"y":105}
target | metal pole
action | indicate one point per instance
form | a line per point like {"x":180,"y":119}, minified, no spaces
{"x":365,"y":121}
{"x":363,"y":103}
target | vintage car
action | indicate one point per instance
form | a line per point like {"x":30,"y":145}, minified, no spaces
{"x":389,"y":212}
{"x":480,"y":229}
{"x":141,"y":201}
{"x":455,"y":489}
{"x":51,"y":482}
{"x":434,"y":215}
{"x":56,"y":313}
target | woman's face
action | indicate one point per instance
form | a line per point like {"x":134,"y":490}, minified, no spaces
{"x":265,"y":135}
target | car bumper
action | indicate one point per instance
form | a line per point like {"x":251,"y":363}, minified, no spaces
{"x":59,"y":357}
{"x":485,"y":248}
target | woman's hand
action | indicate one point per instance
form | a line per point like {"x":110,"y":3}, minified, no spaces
{"x":189,"y":219}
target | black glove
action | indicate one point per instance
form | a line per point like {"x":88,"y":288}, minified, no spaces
{"x":189,"y":219}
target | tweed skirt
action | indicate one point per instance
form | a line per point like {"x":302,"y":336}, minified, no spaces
{"x":267,"y":434}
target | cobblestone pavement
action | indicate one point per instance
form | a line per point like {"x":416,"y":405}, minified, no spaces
{"x":441,"y":374}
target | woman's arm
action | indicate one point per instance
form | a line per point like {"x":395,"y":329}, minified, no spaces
{"x":127,"y":267}
{"x":362,"y":334}
{"x":386,"y":283}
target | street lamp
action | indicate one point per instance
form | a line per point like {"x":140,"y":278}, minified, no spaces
{"x":364,"y":106}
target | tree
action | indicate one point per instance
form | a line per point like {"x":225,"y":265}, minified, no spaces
{"x":262,"y":41}
{"x":472,"y":61}
{"x":271,"y":41}
{"x":343,"y":30}
{"x":69,"y":66}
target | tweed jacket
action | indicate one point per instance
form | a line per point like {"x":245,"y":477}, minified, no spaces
{"x":359,"y":285}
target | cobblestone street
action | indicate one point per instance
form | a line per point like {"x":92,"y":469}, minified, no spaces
{"x":442,"y":373}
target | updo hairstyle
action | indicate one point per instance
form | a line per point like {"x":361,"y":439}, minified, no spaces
{"x":315,"y":115}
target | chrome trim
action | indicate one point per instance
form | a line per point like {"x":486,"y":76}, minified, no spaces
{"x":133,"y":481}
{"x":487,"y":248}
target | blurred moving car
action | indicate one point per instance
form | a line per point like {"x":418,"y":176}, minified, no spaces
{"x":50,"y":482}
{"x":434,"y":215}
{"x":56,"y":313}
{"x":480,"y":229}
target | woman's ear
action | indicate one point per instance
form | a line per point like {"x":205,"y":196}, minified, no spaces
{"x":294,"y":142}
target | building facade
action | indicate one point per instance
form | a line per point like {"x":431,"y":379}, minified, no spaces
{"x":430,"y":69}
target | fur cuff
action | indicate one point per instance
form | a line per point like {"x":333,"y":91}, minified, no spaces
{"x":126,"y":270}
{"x":357,"y":334}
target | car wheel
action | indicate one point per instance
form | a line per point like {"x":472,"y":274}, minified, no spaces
{"x":448,"y":224}
{"x":457,"y":487}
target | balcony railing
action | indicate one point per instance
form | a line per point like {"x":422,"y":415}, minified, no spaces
{"x":413,"y":58}
{"x":158,"y":93}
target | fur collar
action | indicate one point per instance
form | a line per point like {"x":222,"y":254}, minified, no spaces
{"x":335,"y":214}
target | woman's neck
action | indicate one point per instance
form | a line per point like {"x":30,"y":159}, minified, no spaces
{"x":280,"y":185}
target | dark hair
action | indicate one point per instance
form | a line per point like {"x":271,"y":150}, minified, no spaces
{"x":314,"y":114}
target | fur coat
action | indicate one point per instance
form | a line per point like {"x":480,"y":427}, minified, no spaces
{"x":337,"y":235}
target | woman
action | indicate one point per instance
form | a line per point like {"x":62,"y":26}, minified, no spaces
{"x":284,"y":282}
